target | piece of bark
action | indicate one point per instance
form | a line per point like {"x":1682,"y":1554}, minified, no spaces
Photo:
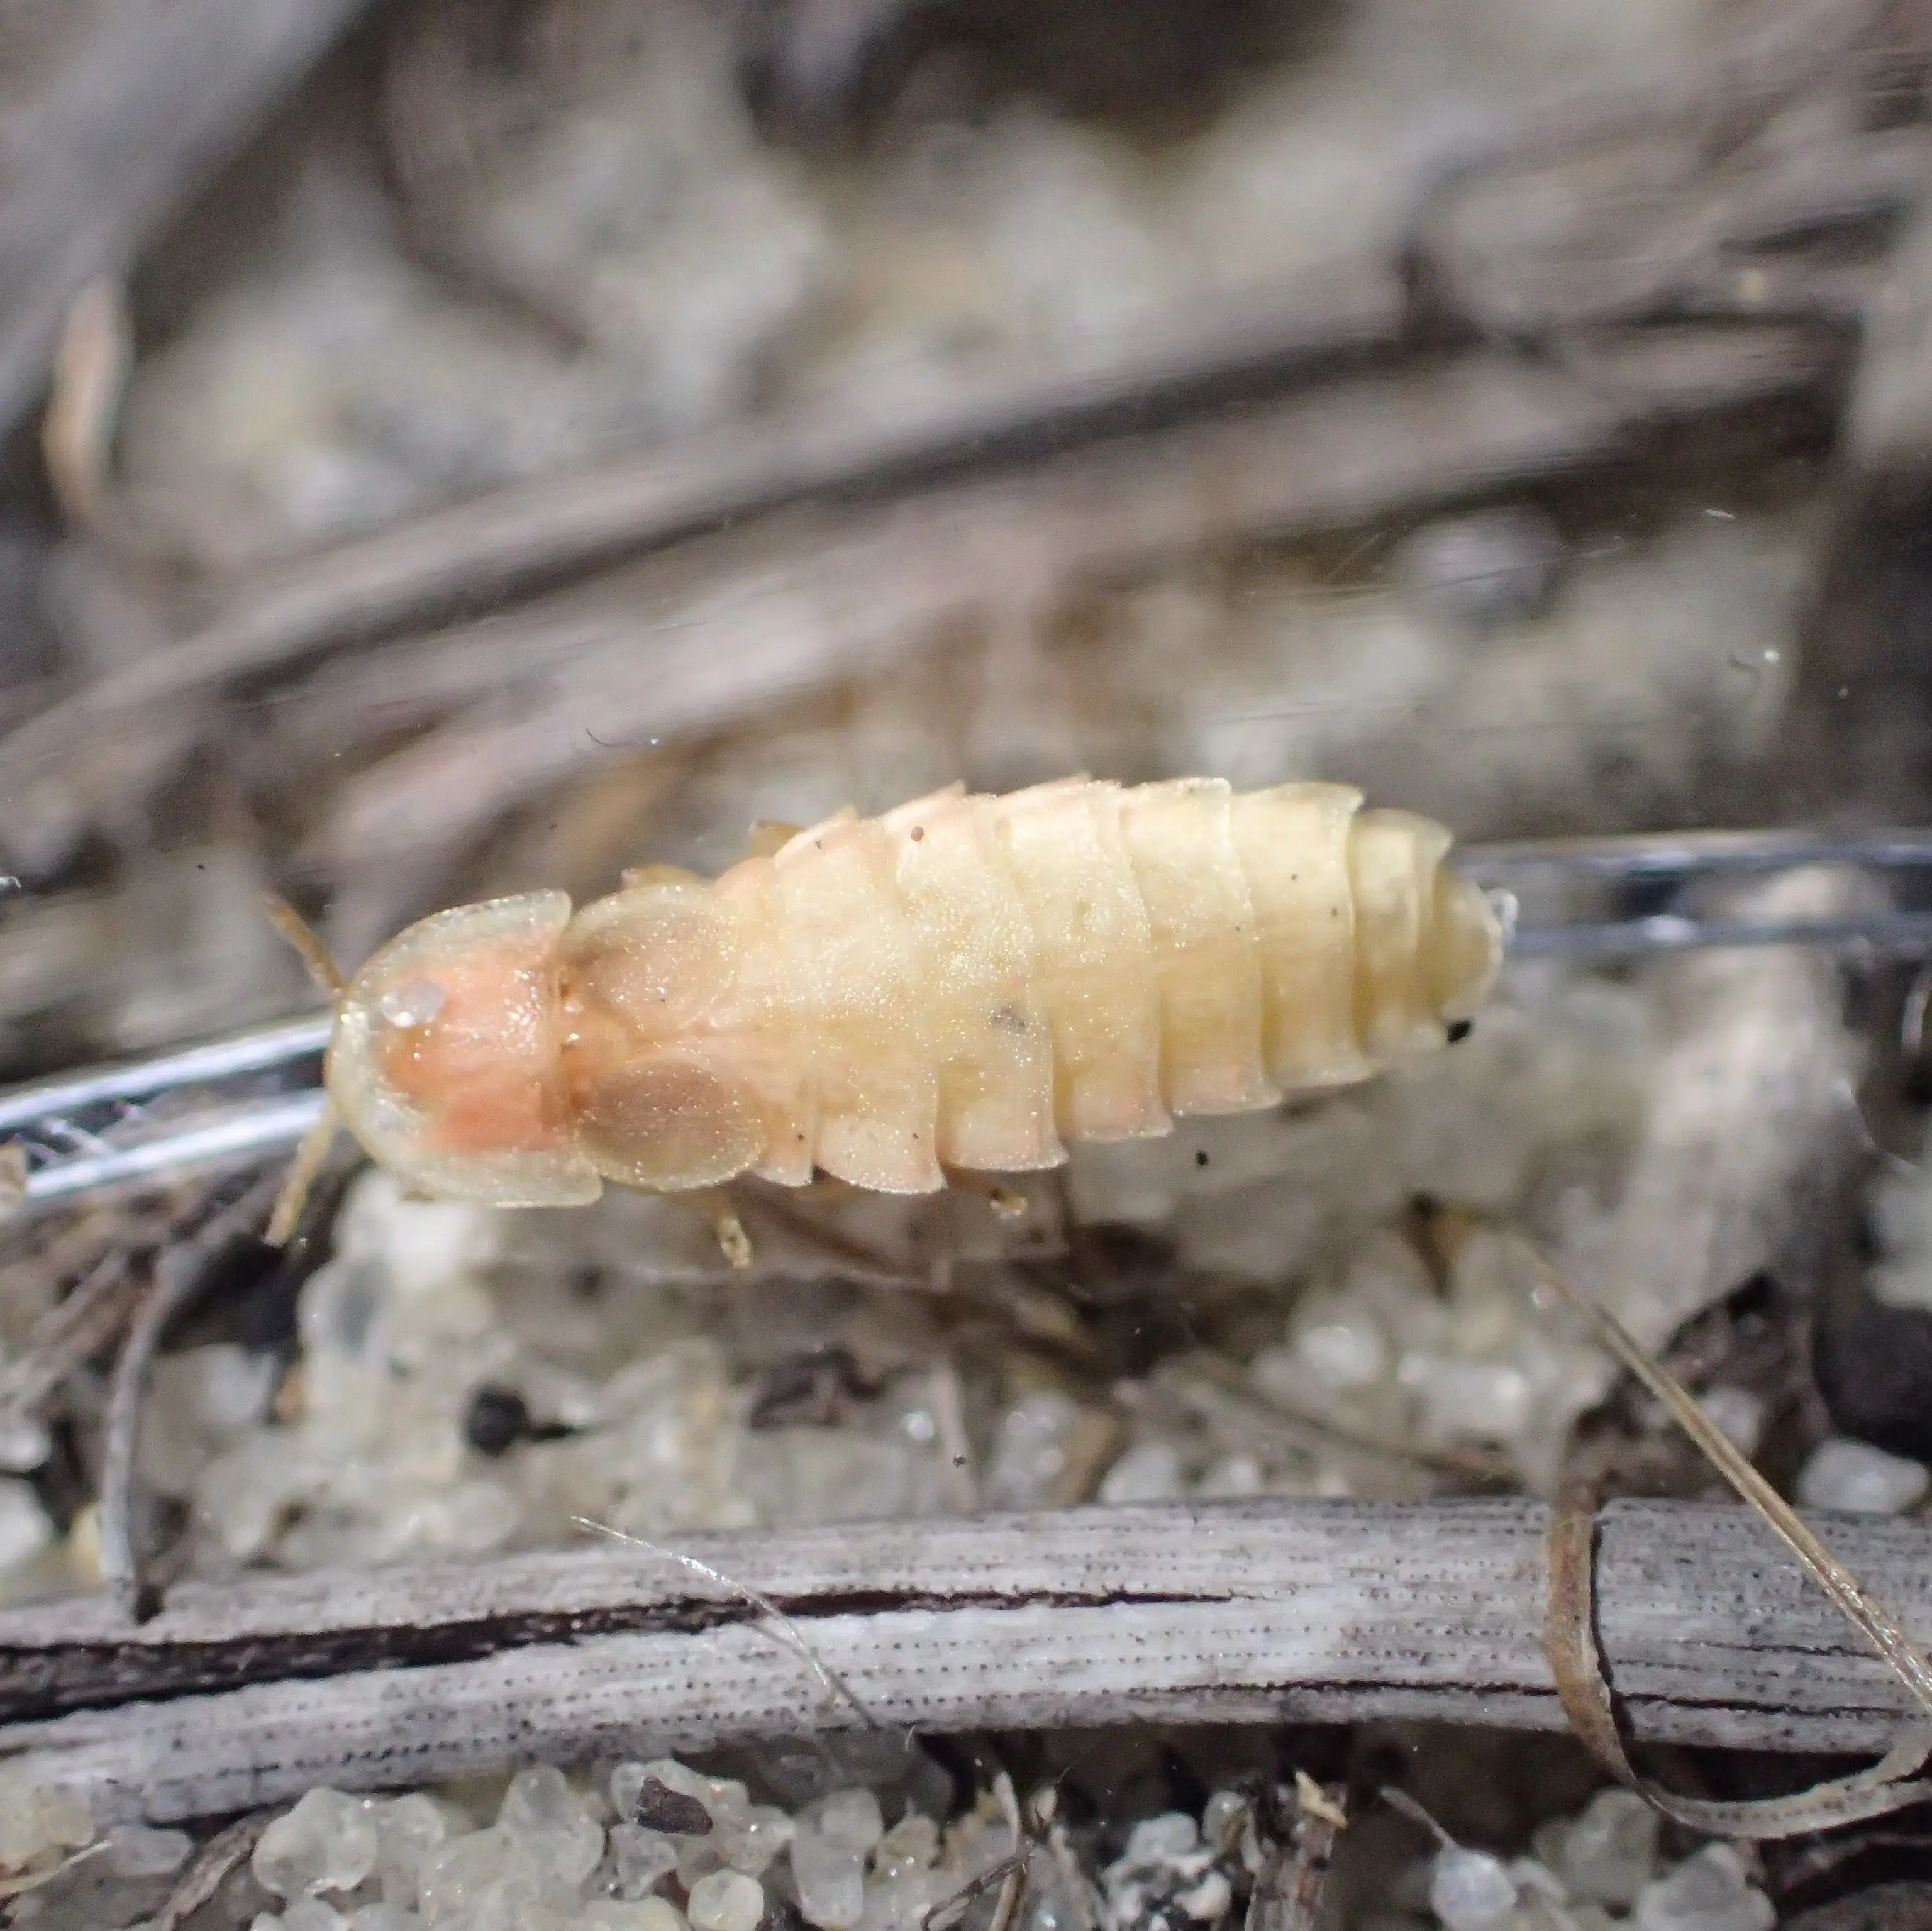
{"x":1264,"y":1611}
{"x":136,"y":106}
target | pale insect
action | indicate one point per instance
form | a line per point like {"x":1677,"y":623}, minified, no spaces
{"x":966,"y":985}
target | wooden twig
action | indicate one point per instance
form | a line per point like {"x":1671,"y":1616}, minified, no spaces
{"x":1013,"y":1887}
{"x":179,"y":1275}
{"x":514,"y":541}
{"x":950,"y":1908}
{"x":1287,"y":1895}
{"x":1257,"y":1612}
{"x":137,"y":107}
{"x":740,"y":623}
{"x":1890,"y":1785}
{"x":1670,"y":194}
{"x":729,"y":624}
{"x":66,"y":1334}
{"x":209,"y":1867}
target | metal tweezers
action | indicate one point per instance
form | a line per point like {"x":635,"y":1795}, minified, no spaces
{"x":251,"y":1095}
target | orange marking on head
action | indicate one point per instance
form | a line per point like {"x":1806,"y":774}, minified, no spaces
{"x":486,"y":1069}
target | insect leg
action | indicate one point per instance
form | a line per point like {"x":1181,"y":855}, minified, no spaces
{"x":769,"y":836}
{"x":1005,"y":1199}
{"x":715,"y":1204}
{"x":635,"y":875}
{"x":301,"y":1177}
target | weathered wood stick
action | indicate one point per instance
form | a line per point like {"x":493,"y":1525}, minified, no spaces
{"x":468,"y":558}
{"x":725,"y":626}
{"x":716,"y":626}
{"x":137,"y":104}
{"x":1456,"y":424}
{"x":1260,"y":1611}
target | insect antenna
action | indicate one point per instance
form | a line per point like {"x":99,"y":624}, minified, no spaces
{"x":306,"y":945}
{"x":307,"y":1163}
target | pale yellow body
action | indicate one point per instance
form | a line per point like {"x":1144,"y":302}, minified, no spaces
{"x":965,"y":984}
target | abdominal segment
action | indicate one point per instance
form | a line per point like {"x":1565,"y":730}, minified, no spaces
{"x":972,"y":983}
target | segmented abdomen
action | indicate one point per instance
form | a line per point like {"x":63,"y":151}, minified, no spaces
{"x":973,"y":982}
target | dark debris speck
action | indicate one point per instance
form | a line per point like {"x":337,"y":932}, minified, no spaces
{"x":498,"y":1419}
{"x":658,"y":1807}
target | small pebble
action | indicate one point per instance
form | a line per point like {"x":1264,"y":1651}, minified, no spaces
{"x":1707,"y":1892}
{"x":1157,"y":1840}
{"x":423,"y":1242}
{"x":747,"y":1839}
{"x":37,"y":1819}
{"x":1469,"y":1890}
{"x":1468,"y":1400}
{"x":547,"y":1822}
{"x":24,"y":1442}
{"x":852,"y":1817}
{"x":1606,"y":1856}
{"x":1339,"y":1342}
{"x":1737,"y":1415}
{"x":384,"y":1917}
{"x":1149,"y":1472}
{"x":911,"y":1845}
{"x":1842,"y":1474}
{"x":1232,"y":1475}
{"x":310,"y":1913}
{"x":327,"y":1842}
{"x":1873,"y":1359}
{"x":1223,"y":1821}
{"x":1209,"y":1900}
{"x":25,"y":1530}
{"x":830,"y":1876}
{"x":644,"y":1858}
{"x":726,"y":1901}
{"x":464,"y":1870}
{"x":617,"y":1914}
{"x":134,"y":1851}
{"x":410,"y":1831}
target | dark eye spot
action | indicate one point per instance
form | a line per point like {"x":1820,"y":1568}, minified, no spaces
{"x":1460,"y":1031}
{"x":1201,"y":1156}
